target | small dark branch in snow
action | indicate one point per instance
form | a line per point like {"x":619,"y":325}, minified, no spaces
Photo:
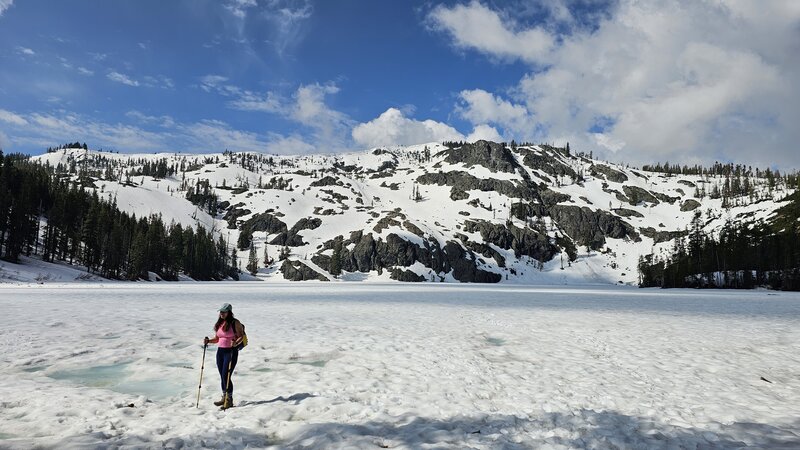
{"x":764,"y":379}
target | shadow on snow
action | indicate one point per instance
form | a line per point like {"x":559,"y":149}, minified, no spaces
{"x":581,"y":429}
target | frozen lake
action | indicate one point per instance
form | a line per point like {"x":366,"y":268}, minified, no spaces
{"x":344,"y":365}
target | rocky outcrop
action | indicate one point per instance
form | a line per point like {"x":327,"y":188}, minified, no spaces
{"x":457,"y":194}
{"x":666,"y":198}
{"x":638,"y":195}
{"x":259,"y":222}
{"x":292,"y":238}
{"x":233,"y":213}
{"x":627,"y":212}
{"x":462,"y":181}
{"x":548,"y":164}
{"x":326,"y":181}
{"x":551,"y":198}
{"x":482,"y":249}
{"x":387,"y":166}
{"x":690,"y":205}
{"x":392,"y":219}
{"x":264,"y":222}
{"x":523,"y":241}
{"x":368,"y":254}
{"x":661,"y":236}
{"x":413,"y":228}
{"x":588,"y":227}
{"x":523,"y":211}
{"x":495,"y":157}
{"x":405,"y":275}
{"x":298,"y":271}
{"x":609,"y":173}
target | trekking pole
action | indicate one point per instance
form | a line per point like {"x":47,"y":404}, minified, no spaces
{"x":202,"y":366}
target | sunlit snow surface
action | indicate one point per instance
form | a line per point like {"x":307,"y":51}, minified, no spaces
{"x":401,"y":366}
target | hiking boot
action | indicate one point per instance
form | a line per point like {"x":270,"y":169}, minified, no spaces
{"x":227,"y":402}
{"x":220,"y":401}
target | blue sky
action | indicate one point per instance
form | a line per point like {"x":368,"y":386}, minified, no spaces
{"x":634,"y":81}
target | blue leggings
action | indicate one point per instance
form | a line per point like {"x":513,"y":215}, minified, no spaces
{"x":227,"y":356}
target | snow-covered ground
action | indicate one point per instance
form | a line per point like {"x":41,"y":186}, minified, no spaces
{"x":343,"y":365}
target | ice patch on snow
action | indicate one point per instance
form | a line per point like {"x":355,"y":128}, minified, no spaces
{"x":118,"y":378}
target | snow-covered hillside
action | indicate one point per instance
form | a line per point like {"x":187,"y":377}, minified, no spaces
{"x":481,"y":212}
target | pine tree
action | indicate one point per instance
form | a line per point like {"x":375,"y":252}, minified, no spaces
{"x":267,"y":261}
{"x":252,"y":260}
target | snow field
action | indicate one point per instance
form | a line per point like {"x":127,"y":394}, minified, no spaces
{"x":334,"y":365}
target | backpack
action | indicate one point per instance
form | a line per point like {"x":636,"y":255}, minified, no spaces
{"x":242,"y":344}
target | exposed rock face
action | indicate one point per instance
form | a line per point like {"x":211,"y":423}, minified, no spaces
{"x":413,"y":228}
{"x":264,"y":222}
{"x":326,"y":181}
{"x":457,"y":194}
{"x":690,"y":205}
{"x":524,"y":210}
{"x":370,"y":254}
{"x":387,"y":166}
{"x":661,"y":236}
{"x":464,"y":267}
{"x":392,"y":219}
{"x":292,"y":238}
{"x":550,"y":198}
{"x":666,"y":198}
{"x":495,"y":157}
{"x":523,"y":241}
{"x":687,"y":183}
{"x":589,"y":227}
{"x":259,"y":222}
{"x":547,"y":164}
{"x":628,"y":212}
{"x":610,"y":174}
{"x":483,"y":249}
{"x":463,"y":181}
{"x":233,"y":213}
{"x":638,"y":195}
{"x":405,"y":275}
{"x":298,"y":271}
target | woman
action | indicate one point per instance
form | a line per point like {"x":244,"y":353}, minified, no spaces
{"x":228,"y":336}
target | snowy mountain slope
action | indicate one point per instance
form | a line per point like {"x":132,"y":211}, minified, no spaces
{"x":481,"y":212}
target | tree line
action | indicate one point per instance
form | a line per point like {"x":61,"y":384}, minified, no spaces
{"x":44,"y":213}
{"x":741,"y":256}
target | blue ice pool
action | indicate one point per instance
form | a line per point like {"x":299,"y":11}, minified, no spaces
{"x":118,"y":378}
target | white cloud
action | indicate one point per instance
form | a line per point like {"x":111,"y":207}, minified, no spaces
{"x":25,"y":51}
{"x":307,"y":107}
{"x":122,"y":78}
{"x":163,"y":121}
{"x":484,"y":132}
{"x":249,"y":101}
{"x":159,"y":81}
{"x":10,"y":117}
{"x":85,"y":71}
{"x":481,"y":107}
{"x":211,"y":82}
{"x":392,"y":127}
{"x":239,"y":7}
{"x":677,"y":79}
{"x":145,"y":133}
{"x":289,"y":145}
{"x":475,"y":26}
{"x":4,"y":5}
